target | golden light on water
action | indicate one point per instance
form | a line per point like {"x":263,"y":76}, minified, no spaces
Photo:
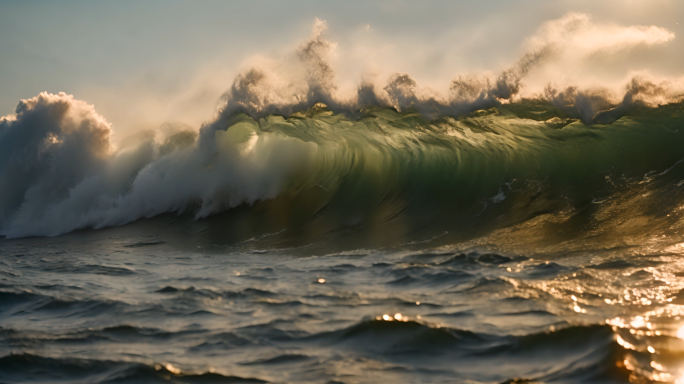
{"x":638,"y":322}
{"x":680,"y":332}
{"x":624,"y":344}
{"x":169,"y":367}
{"x":660,"y":368}
{"x":397,"y":317}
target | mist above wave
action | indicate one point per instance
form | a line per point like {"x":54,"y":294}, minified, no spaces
{"x":307,"y":77}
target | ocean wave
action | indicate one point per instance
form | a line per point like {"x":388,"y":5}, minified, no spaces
{"x":295,"y":163}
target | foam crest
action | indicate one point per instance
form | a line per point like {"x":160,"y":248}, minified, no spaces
{"x":50,"y":144}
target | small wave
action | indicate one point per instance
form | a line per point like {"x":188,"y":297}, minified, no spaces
{"x":281,"y":359}
{"x":10,"y":300}
{"x":615,"y":264}
{"x":144,"y":244}
{"x":92,"y":269}
{"x":221,"y":342}
{"x":429,"y":278}
{"x":545,"y":270}
{"x":581,"y":352}
{"x":459,"y":314}
{"x":211,"y":293}
{"x":18,"y":368}
{"x":277,"y":330}
{"x":487,"y":285}
{"x":461,"y":261}
{"x":24,"y":304}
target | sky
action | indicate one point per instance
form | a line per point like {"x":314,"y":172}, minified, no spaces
{"x":144,"y":62}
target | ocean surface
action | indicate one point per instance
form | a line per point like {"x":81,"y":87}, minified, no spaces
{"x":518,"y":243}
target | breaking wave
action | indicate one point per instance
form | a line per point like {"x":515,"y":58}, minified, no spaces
{"x":393,"y":161}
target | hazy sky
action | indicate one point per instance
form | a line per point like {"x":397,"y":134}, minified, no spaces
{"x":130,"y":56}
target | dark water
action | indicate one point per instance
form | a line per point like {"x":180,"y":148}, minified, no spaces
{"x":108,"y":306}
{"x":511,"y":245}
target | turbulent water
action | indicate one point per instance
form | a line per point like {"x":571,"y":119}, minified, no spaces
{"x":396,"y":236}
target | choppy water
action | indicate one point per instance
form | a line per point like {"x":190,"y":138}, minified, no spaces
{"x":109,"y":306}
